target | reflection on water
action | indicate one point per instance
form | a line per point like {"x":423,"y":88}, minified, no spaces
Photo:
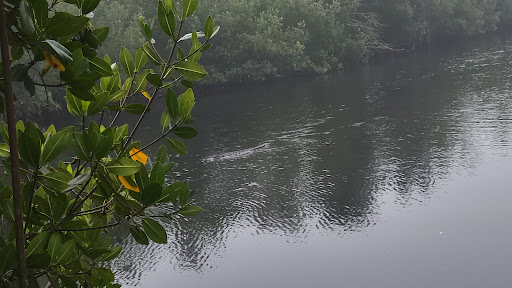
{"x":300,"y":165}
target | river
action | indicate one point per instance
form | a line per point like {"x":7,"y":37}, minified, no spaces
{"x":395,"y":175}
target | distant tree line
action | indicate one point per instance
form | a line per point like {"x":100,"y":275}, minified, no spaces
{"x":264,"y":39}
{"x":268,"y":38}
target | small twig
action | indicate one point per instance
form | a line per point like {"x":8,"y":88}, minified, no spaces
{"x":159,"y":138}
{"x":50,"y":85}
{"x":90,"y":228}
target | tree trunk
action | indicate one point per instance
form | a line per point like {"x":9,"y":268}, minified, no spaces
{"x":13,"y":143}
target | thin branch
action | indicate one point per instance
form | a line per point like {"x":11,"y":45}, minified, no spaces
{"x":159,"y":138}
{"x":123,"y":101}
{"x":50,"y":85}
{"x":34,"y":180}
{"x":189,"y":55}
{"x":90,"y":228}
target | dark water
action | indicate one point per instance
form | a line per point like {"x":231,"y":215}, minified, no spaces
{"x":397,"y":175}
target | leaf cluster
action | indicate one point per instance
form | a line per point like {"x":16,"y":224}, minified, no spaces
{"x":84,"y":186}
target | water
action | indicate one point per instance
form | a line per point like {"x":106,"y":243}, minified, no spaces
{"x":396,"y":175}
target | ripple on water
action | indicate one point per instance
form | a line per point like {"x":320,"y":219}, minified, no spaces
{"x":318,"y":162}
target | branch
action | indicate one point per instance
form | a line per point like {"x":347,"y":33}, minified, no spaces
{"x":50,"y":85}
{"x":90,"y":228}
{"x":159,"y":138}
{"x":13,"y":143}
{"x":34,"y":180}
{"x":123,"y":101}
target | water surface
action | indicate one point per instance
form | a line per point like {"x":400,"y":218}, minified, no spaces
{"x":396,"y":175}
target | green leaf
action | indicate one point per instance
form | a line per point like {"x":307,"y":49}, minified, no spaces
{"x":185,"y":132}
{"x":101,"y":33}
{"x":29,"y":149}
{"x":3,"y":131}
{"x":113,"y":84}
{"x":153,"y":57}
{"x":40,"y":12}
{"x":29,"y":85}
{"x":97,"y":105}
{"x":137,"y":109}
{"x":55,"y":145}
{"x":89,"y":6}
{"x":104,"y":144}
{"x":215,"y":31}
{"x":186,"y":102}
{"x":54,"y":245}
{"x":80,"y":147}
{"x":60,"y":49}
{"x":206,"y":47}
{"x":145,"y":28}
{"x":124,"y":167}
{"x":120,"y":133}
{"x":161,"y":155}
{"x":177,"y":146}
{"x":165,"y":120}
{"x":114,"y":252}
{"x":154,"y":79}
{"x":172,"y":103}
{"x":154,"y":230}
{"x":100,"y":66}
{"x":187,"y":84}
{"x":8,"y":209}
{"x":8,"y":256}
{"x":191,"y":210}
{"x":65,"y":252}
{"x":74,"y":104}
{"x":140,"y":59}
{"x":151,"y":194}
{"x":139,"y":235}
{"x":17,"y":52}
{"x":81,"y":84}
{"x":26,"y":22}
{"x":91,"y":39}
{"x":208,"y":27}
{"x":37,"y":244}
{"x":141,"y":82}
{"x":77,"y":181}
{"x":180,"y":54}
{"x":58,"y":179}
{"x":79,"y":65}
{"x":127,"y":63}
{"x":68,"y":281}
{"x":192,"y":36}
{"x":5,"y":150}
{"x":63,"y":24}
{"x":142,"y":178}
{"x":183,"y":191}
{"x":169,"y":6}
{"x":166,"y":19}
{"x":191,"y":70}
{"x":84,"y":95}
{"x":158,"y":174}
{"x":118,"y":95}
{"x":188,"y":7}
{"x":38,"y":261}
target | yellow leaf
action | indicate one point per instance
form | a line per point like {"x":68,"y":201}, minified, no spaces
{"x":145,"y":94}
{"x":47,"y":57}
{"x":138,"y":155}
{"x":128,"y":185}
{"x":56,"y":64}
{"x":53,"y":61}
